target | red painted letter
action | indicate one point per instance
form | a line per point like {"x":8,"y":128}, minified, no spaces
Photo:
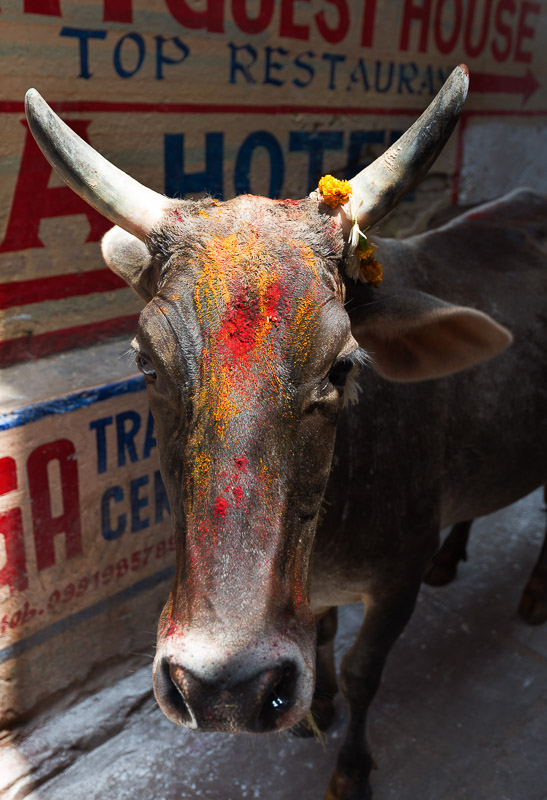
{"x":249,"y":24}
{"x":46,"y":526}
{"x":288,"y":26}
{"x":471,"y":49}
{"x":114,"y":10}
{"x":49,"y":7}
{"x":211,"y":18}
{"x":420,"y":13}
{"x":504,"y":30}
{"x":446,"y":46}
{"x":13,"y":573}
{"x":118,"y":11}
{"x":525,"y":31}
{"x":337,"y":34}
{"x":34,"y":201}
{"x":369,"y":17}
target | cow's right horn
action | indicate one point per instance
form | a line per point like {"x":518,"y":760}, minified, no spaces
{"x":123,"y":200}
{"x":384,"y":183}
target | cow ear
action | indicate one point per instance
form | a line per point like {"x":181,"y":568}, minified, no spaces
{"x":129,"y":258}
{"x":415,"y":337}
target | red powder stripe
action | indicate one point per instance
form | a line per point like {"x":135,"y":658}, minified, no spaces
{"x":19,"y":293}
{"x":45,"y":344}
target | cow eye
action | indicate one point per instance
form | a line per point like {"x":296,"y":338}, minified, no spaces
{"x":340,"y":371}
{"x":145,"y":366}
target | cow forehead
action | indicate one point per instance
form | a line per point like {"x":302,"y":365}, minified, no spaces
{"x":248,"y":283}
{"x":248,"y":272}
{"x":250,"y":234}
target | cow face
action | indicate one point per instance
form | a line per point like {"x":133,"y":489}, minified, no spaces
{"x":245,"y":347}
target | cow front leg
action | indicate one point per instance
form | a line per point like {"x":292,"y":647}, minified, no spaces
{"x":444,"y":565}
{"x":361,"y":671}
{"x":326,"y":687}
{"x":533,"y":603}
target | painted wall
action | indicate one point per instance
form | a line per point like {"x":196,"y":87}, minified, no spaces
{"x":235,"y":96}
{"x":85,"y":533}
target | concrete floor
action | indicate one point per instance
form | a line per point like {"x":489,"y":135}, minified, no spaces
{"x":461,"y":714}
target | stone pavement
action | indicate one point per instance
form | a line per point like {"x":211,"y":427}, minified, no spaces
{"x":461,"y":714}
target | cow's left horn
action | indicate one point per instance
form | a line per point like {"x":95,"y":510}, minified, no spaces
{"x":123,"y":200}
{"x":383,"y":184}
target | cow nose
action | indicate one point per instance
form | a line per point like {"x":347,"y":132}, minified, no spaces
{"x":259,"y":704}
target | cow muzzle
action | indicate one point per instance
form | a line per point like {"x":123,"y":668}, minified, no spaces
{"x":250,"y":695}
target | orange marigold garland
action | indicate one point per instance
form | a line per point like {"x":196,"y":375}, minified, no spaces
{"x":370,"y":268}
{"x":334,"y":192}
{"x":361,"y":262}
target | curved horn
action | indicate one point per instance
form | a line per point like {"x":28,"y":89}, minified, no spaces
{"x":123,"y":200}
{"x":383,"y":184}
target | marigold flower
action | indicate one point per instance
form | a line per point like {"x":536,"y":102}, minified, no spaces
{"x":335,"y":192}
{"x":371,"y":270}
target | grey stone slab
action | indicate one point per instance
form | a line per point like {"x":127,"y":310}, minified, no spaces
{"x":63,"y":373}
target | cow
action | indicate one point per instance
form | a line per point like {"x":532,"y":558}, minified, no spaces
{"x":253,"y":335}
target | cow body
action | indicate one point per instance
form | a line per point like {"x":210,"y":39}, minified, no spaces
{"x":253,"y":326}
{"x":413,"y":458}
{"x":461,"y":446}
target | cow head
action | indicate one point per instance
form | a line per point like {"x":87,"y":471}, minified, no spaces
{"x":246,"y":346}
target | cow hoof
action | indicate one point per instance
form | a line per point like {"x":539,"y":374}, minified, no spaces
{"x":533,"y":603}
{"x":440,"y":573}
{"x":342,"y":787}
{"x":323,"y":717}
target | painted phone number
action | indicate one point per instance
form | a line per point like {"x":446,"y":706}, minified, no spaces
{"x":112,"y":572}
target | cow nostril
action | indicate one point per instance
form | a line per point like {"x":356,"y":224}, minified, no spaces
{"x":173,"y":693}
{"x":278,"y":700}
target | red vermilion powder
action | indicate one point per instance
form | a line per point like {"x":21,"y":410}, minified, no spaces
{"x":240,"y":462}
{"x":239,"y":330}
{"x":244,"y":322}
{"x":273,"y":296}
{"x":172,"y":628}
{"x":221,"y":506}
{"x":238,"y":495}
